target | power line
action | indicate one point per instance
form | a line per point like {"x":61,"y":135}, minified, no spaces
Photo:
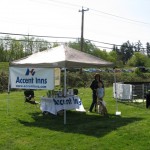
{"x":45,"y":42}
{"x":30,"y":35}
{"x":103,"y":42}
{"x":102,"y":12}
{"x":32,"y":41}
{"x":132,"y":20}
{"x":65,"y":3}
{"x":60,"y":42}
{"x":98,"y":11}
{"x":105,"y":47}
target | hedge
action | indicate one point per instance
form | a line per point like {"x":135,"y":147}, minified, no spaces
{"x":77,"y":79}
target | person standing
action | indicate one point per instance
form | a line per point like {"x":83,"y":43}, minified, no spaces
{"x":94,"y":86}
{"x":101,"y":105}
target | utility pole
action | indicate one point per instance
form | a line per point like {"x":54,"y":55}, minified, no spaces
{"x":82,"y":26}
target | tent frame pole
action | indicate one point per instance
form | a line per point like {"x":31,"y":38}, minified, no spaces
{"x":116,"y":94}
{"x":116,"y":90}
{"x":65,"y":93}
{"x":8,"y":91}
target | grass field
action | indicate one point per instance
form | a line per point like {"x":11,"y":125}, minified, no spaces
{"x":23,"y":127}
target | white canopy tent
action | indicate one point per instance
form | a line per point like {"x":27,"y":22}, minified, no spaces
{"x":61,"y":57}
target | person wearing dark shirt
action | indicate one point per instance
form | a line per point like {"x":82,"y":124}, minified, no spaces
{"x":94,"y":86}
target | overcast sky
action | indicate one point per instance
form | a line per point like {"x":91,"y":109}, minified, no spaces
{"x":109,"y":21}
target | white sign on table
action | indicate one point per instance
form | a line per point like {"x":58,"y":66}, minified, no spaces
{"x":54,"y":105}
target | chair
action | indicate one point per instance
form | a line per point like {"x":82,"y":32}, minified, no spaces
{"x":75,"y":91}
{"x":29,"y":97}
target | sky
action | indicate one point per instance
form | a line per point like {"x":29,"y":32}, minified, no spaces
{"x":106,"y":21}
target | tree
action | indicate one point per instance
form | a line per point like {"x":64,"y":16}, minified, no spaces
{"x":126,"y":52}
{"x":138,"y":59}
{"x":41,"y":45}
{"x":16,"y":50}
{"x":113,"y":57}
{"x":148,"y":49}
{"x":115,"y":48}
{"x":118,"y":61}
{"x":55,"y":44}
{"x":88,"y":47}
{"x":2,"y":53}
{"x":138,"y":46}
{"x":28,"y":45}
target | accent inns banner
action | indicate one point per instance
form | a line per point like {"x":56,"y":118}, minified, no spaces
{"x":32,"y":78}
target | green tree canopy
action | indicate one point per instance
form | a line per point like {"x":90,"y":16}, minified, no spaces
{"x":138,"y":59}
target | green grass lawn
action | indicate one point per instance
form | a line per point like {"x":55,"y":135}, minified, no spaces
{"x":23,"y":127}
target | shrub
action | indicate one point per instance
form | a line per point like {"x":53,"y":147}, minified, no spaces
{"x":84,"y":79}
{"x":3,"y":81}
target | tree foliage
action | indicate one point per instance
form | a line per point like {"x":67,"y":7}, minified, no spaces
{"x":12,"y":49}
{"x":127,"y":54}
{"x":148,"y":49}
{"x":138,"y":59}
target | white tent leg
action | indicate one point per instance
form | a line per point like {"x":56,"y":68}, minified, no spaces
{"x":65,"y":91}
{"x":117,"y":112}
{"x":8,"y":91}
{"x":115,"y":90}
{"x":8,"y":103}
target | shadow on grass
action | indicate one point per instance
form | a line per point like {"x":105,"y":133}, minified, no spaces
{"x":141,"y":105}
{"x":90,"y":124}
